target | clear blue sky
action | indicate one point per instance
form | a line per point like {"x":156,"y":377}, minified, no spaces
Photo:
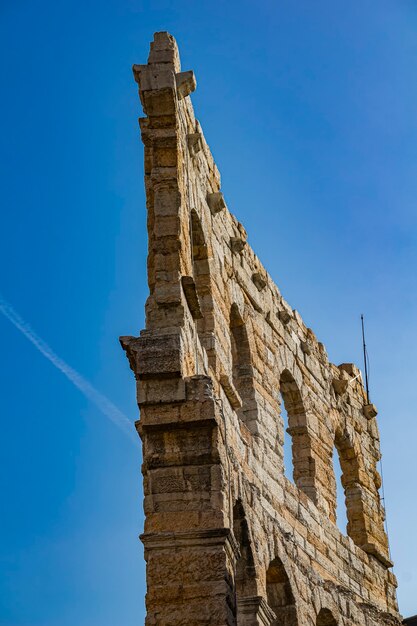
{"x":310,"y":111}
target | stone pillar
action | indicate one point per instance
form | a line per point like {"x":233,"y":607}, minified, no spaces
{"x":254,"y":611}
{"x":189,"y":549}
{"x":189,"y":579}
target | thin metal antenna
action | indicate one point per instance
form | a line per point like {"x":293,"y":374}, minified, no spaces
{"x":365,"y":360}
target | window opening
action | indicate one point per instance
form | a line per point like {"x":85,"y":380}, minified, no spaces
{"x":325,"y":618}
{"x":341,"y":513}
{"x":288,"y":459}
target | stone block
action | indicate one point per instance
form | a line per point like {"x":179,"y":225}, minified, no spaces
{"x":306,"y":347}
{"x":285,"y":316}
{"x":186,"y":83}
{"x":237,"y":244}
{"x":150,"y":79}
{"x":216,"y":202}
{"x":191,"y":296}
{"x":340,"y":385}
{"x":155,"y":355}
{"x":370,"y":411}
{"x":230,"y":391}
{"x":259,"y":280}
{"x":194,"y":143}
{"x":161,"y":391}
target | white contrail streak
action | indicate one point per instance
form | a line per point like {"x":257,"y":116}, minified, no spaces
{"x":106,"y":407}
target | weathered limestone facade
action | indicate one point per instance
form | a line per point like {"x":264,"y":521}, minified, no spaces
{"x":229,"y":540}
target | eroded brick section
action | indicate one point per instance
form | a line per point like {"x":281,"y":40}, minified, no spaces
{"x":228,"y":538}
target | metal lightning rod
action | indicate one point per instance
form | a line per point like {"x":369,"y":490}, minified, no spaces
{"x":365,"y":360}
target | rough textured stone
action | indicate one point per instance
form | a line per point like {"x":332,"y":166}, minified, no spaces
{"x":229,"y":540}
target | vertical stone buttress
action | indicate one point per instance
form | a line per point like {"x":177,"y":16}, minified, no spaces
{"x":228,"y":539}
{"x":188,"y":547}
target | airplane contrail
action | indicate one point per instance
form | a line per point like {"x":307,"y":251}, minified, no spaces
{"x":106,"y":407}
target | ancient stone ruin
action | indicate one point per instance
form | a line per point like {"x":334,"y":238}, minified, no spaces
{"x":229,"y":540}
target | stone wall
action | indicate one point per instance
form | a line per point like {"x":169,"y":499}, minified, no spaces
{"x":228,"y":538}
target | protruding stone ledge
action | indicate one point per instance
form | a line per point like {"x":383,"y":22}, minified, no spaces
{"x":190,"y":292}
{"x":194,"y":143}
{"x":152,"y":355}
{"x":371,"y":548}
{"x":306,"y":347}
{"x":150,"y":79}
{"x":370,"y":411}
{"x":216,"y":202}
{"x":242,"y":231}
{"x":284,"y":316}
{"x":340,"y":385}
{"x":230,"y":391}
{"x":186,"y":83}
{"x":237,"y":244}
{"x":259,"y":281}
{"x":127,"y":342}
{"x":137,"y":69}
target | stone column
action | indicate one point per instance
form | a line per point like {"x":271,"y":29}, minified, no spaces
{"x":254,"y":611}
{"x":189,"y":549}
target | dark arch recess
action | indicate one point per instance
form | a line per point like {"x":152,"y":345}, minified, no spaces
{"x":325,"y":618}
{"x":245,"y":579}
{"x":242,"y":368}
{"x":280,"y":596}
{"x":350,"y":464}
{"x":202,"y":281}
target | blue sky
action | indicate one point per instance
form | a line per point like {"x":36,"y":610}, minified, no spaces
{"x":310,"y":111}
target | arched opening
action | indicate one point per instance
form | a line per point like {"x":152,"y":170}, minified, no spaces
{"x":348,"y":510}
{"x":202,"y":281}
{"x":340,"y":512}
{"x":288,"y":454}
{"x":360,"y":484}
{"x":245,"y":576}
{"x":280,"y":596}
{"x":298,"y":458}
{"x":325,"y":618}
{"x":242,"y":369}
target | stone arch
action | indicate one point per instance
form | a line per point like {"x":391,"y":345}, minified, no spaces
{"x":325,"y":618}
{"x":245,"y":576}
{"x":200,"y":257}
{"x":360,"y":481}
{"x":280,"y":595}
{"x":248,"y":603}
{"x":242,"y":367}
{"x":302,"y":457}
{"x":350,"y":464}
